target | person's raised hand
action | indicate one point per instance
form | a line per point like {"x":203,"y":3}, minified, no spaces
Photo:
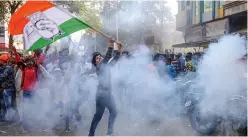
{"x":119,"y":46}
{"x":111,"y":41}
{"x":36,"y":61}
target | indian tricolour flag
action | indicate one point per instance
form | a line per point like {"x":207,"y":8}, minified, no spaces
{"x":47,"y":24}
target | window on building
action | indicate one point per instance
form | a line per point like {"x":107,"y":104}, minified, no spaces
{"x":221,"y":4}
{"x":187,"y":5}
{"x":182,"y":5}
{"x":207,"y":6}
{"x":196,"y":8}
{"x":179,"y":6}
{"x":2,"y":30}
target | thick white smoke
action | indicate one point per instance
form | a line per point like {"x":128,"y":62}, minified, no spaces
{"x":141,"y":96}
{"x":222,"y":74}
{"x":43,"y":111}
{"x":140,"y":92}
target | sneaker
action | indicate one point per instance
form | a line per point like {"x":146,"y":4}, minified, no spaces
{"x":110,"y":135}
{"x":68,"y":129}
{"x":91,"y":134}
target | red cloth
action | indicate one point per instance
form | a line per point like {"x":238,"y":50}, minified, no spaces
{"x":18,"y":58}
{"x":42,"y":58}
{"x":29,"y":78}
{"x":29,"y":74}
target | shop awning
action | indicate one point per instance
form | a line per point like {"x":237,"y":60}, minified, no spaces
{"x":192,"y":44}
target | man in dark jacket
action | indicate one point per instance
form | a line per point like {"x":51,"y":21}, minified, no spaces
{"x":8,"y":84}
{"x":104,"y":96}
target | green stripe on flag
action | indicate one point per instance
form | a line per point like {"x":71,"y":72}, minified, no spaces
{"x":68,"y":27}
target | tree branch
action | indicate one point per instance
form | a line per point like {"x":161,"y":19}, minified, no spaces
{"x":18,"y":4}
{"x":9,"y":3}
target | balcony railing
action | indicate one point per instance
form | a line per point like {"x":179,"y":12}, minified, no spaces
{"x":1,"y":30}
{"x":235,"y":7}
{"x":181,"y":20}
{"x":228,"y":4}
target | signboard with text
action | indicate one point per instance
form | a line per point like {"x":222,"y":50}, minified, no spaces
{"x":217,"y":28}
{"x":194,"y":34}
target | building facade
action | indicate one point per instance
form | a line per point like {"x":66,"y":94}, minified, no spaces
{"x":3,"y":46}
{"x":202,"y":22}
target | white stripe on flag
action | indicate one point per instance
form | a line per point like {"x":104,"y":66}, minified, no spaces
{"x":30,"y":36}
{"x":57,"y":15}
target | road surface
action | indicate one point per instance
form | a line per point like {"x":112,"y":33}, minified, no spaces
{"x":123,"y":127}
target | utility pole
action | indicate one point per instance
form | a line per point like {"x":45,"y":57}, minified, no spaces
{"x":95,"y":32}
{"x":94,"y":35}
{"x":161,"y":31}
{"x":116,"y":22}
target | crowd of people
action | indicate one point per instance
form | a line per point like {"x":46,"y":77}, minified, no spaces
{"x":23,"y":75}
{"x":14,"y":64}
{"x":172,"y":64}
{"x":176,"y":64}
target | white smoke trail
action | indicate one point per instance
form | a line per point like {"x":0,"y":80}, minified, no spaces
{"x":139,"y":93}
{"x":143,"y":92}
{"x":221,"y":74}
{"x":142,"y":96}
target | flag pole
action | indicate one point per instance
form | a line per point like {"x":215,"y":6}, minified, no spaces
{"x":93,"y":28}
{"x":105,"y":35}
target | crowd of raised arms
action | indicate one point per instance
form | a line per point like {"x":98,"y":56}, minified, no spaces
{"x":32,"y":69}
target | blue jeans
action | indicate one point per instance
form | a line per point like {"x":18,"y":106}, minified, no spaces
{"x":7,"y":97}
{"x":27,"y":94}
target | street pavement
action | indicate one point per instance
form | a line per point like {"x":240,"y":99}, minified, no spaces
{"x":124,"y":126}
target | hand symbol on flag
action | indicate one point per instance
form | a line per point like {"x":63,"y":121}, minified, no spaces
{"x":44,"y":26}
